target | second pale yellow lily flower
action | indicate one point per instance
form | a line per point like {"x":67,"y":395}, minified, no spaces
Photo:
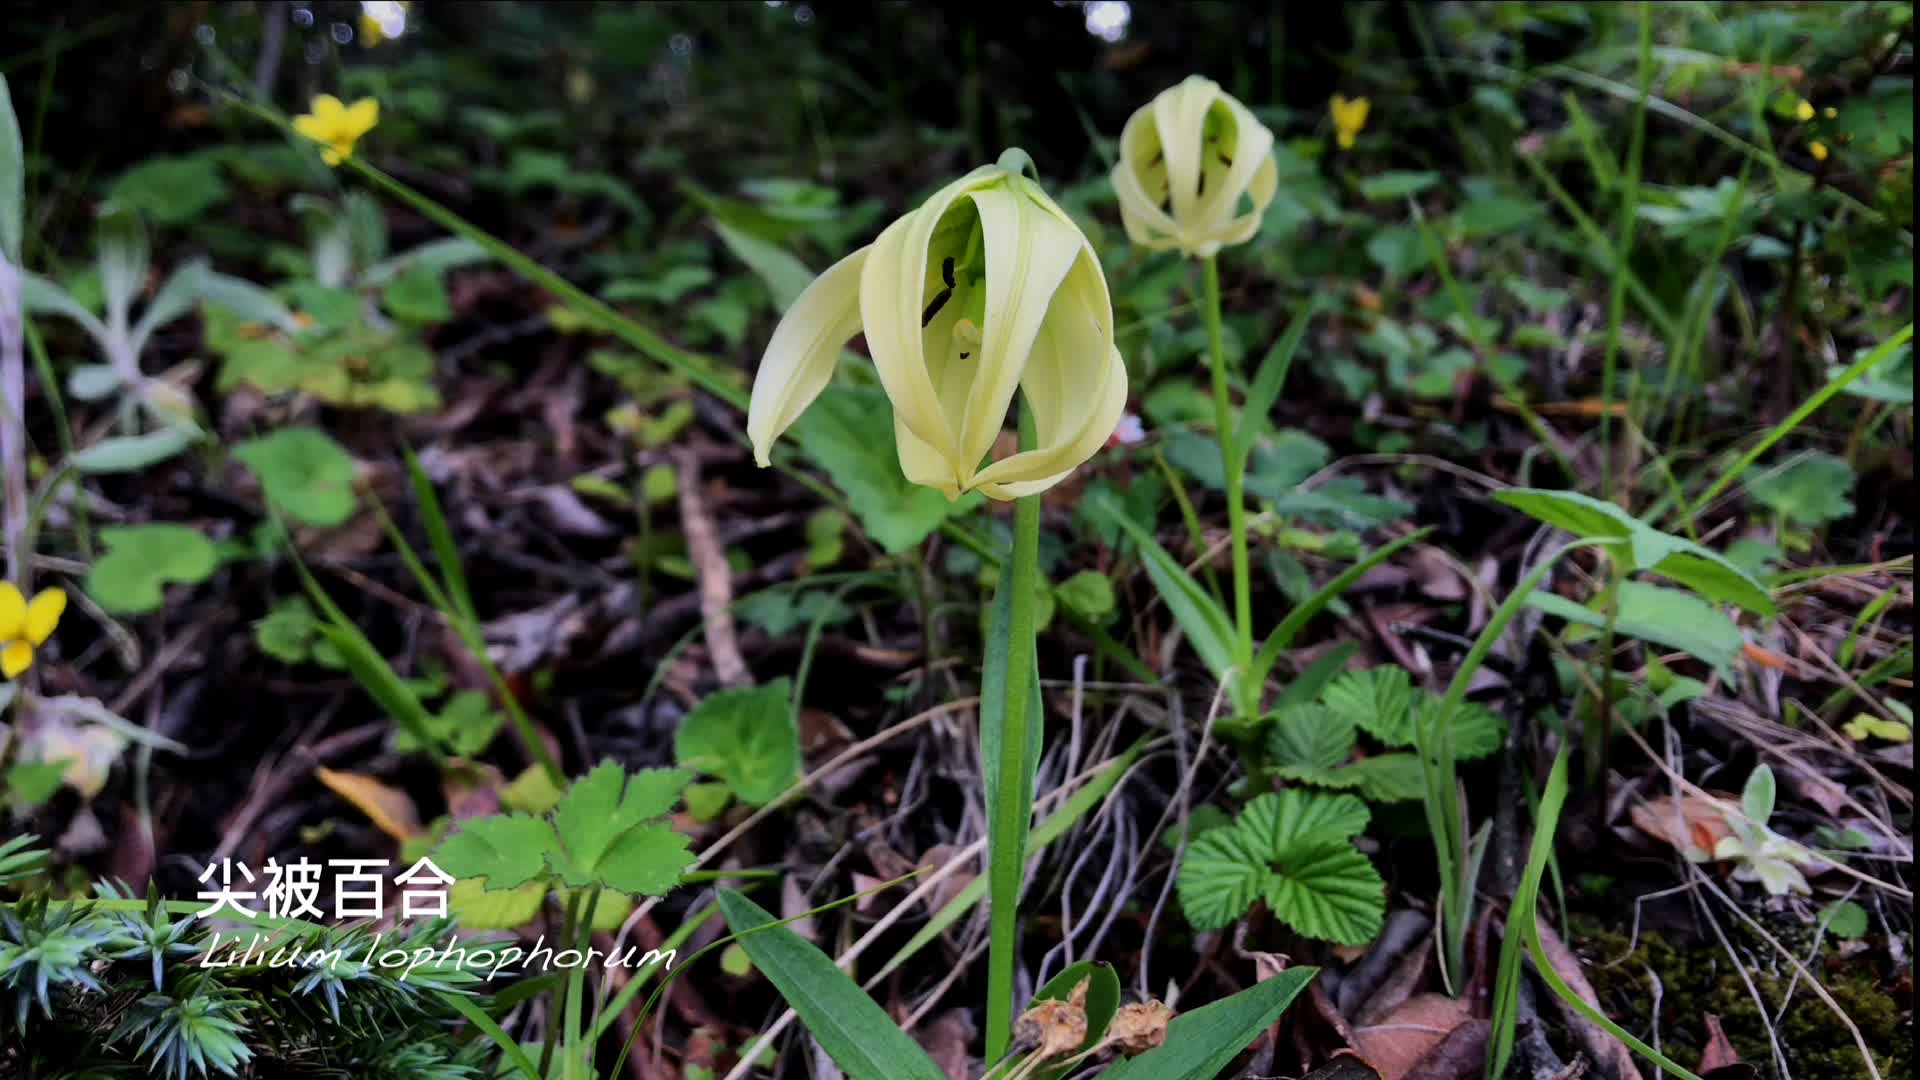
{"x":1196,"y":170}
{"x":987,"y":288}
{"x":25,"y":626}
{"x":1349,"y":116}
{"x":337,"y":126}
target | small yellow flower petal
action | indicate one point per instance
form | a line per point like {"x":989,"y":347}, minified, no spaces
{"x":1349,"y":117}
{"x":43,"y":614}
{"x":1830,"y":112}
{"x":13,"y":611}
{"x":15,"y":658}
{"x":1818,"y":149}
{"x":371,"y":32}
{"x":327,"y":108}
{"x":360,"y":118}
{"x":1804,"y":110}
{"x":310,"y":126}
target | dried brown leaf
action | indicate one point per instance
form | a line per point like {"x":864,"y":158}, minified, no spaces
{"x":1401,"y":1038}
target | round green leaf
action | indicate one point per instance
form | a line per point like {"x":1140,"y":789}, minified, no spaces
{"x":141,"y":560}
{"x":304,"y":472}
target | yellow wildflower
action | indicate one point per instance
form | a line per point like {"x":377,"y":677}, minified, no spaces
{"x":1804,"y":110}
{"x":371,"y":32}
{"x":1349,"y":116}
{"x":336,"y":126}
{"x":26,"y":626}
{"x":1818,"y":149}
{"x":1830,"y":112}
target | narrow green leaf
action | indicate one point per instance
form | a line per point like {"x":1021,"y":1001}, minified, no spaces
{"x":131,"y":453}
{"x":1267,"y":384}
{"x":1205,"y":622}
{"x":1643,"y":547}
{"x":13,"y":178}
{"x":855,"y":1032}
{"x":1200,"y":1044}
{"x":1296,"y":620}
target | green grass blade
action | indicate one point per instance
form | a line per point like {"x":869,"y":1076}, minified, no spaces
{"x":1807,"y":408}
{"x":1198,"y":613}
{"x":1290,"y":627}
{"x":1506,"y":986}
{"x":855,"y":1032}
{"x":509,"y":1046}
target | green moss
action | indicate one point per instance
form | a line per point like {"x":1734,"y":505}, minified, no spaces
{"x":1699,"y":979}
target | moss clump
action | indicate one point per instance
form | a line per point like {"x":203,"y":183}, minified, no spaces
{"x":1698,"y":979}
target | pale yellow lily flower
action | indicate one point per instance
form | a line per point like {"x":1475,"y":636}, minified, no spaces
{"x":25,"y":626}
{"x":1196,"y":170}
{"x":1349,"y":116}
{"x":337,"y":126}
{"x":987,"y":288}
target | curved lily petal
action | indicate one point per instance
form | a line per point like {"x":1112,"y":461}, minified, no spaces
{"x":1028,"y":252}
{"x":1181,"y":114}
{"x":1189,"y":161}
{"x":892,"y":300}
{"x":799,"y":359}
{"x":1076,"y":404}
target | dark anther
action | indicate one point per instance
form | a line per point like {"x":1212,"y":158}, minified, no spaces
{"x":964,"y":355}
{"x":940,"y":298}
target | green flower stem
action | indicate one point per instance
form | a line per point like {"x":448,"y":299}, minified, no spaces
{"x":1248,"y":696}
{"x":1010,"y":758}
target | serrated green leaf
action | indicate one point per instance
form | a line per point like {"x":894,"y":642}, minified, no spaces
{"x":508,"y":850}
{"x":1474,"y":731}
{"x":1280,"y":849}
{"x":1378,"y":700}
{"x":1811,"y":489}
{"x":1397,"y":777}
{"x":607,"y":836}
{"x":1311,"y":737}
{"x":1328,"y":889}
{"x":1220,"y":878}
{"x":1278,"y":822}
{"x":854,"y":1031}
{"x":745,"y":737}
